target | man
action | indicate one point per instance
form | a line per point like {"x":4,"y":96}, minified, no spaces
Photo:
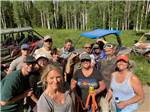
{"x":67,"y":49}
{"x":15,"y":87}
{"x":88,"y":49}
{"x":46,"y":49}
{"x":17,"y":63}
{"x":107,"y":68}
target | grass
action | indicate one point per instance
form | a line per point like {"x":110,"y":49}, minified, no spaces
{"x":128,"y":37}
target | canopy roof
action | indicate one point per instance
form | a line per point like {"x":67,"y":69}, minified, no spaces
{"x":99,"y":33}
{"x":15,"y":30}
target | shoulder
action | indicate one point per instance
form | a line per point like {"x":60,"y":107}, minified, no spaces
{"x":44,"y":104}
{"x":134,"y":79}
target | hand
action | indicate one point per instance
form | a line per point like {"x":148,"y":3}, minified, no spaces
{"x":122,"y":105}
{"x":72,"y":56}
{"x":29,"y":93}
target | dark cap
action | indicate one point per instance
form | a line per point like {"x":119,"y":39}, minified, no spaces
{"x":25,"y":46}
{"x":29,"y":59}
{"x":85,"y":56}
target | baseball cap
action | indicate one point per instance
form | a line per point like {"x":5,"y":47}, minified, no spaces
{"x":85,"y":56}
{"x":123,"y":57}
{"x":96,"y":46}
{"x":47,"y":37}
{"x":41,"y":56}
{"x":25,"y":46}
{"x":29,"y":59}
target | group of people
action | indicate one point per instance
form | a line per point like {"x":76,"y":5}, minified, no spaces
{"x":70,"y":80}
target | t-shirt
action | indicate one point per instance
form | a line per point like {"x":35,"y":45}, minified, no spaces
{"x":107,"y":68}
{"x":17,"y":63}
{"x":46,"y":104}
{"x":13,"y":85}
{"x":83,"y":83}
{"x":65,"y":54}
{"x":42,"y":51}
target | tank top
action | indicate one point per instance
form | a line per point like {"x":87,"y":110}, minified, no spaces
{"x":123,"y":91}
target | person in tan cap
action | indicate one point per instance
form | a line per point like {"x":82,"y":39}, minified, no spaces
{"x":46,"y":48}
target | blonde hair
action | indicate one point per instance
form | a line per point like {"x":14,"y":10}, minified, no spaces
{"x":49,"y":68}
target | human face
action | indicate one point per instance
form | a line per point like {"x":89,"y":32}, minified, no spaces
{"x":25,"y":52}
{"x":122,"y":65}
{"x":109,"y":51}
{"x":28,"y":67}
{"x":54,"y":79}
{"x":86,"y":63}
{"x":87,"y":49}
{"x":68,"y":45}
{"x":48,"y":43}
{"x":42,"y":62}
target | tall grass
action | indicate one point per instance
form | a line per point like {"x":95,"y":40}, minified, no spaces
{"x":142,"y":68}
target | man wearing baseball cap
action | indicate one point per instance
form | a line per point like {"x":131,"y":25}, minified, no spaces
{"x":46,"y":49}
{"x":15,"y":87}
{"x":17,"y":63}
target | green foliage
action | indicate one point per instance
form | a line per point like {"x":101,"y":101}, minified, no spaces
{"x":142,"y":66}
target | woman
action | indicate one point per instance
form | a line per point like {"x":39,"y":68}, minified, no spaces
{"x":86,"y":77}
{"x":54,"y":98}
{"x":126,"y":88}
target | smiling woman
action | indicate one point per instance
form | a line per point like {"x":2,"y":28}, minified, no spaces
{"x":126,"y":89}
{"x":54,"y":98}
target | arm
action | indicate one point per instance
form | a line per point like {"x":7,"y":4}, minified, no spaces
{"x":69,"y":63}
{"x":139,"y":94}
{"x":73,"y":84}
{"x":109,"y":95}
{"x":102,"y":86}
{"x":17,"y":98}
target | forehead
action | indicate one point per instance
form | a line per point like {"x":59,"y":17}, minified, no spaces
{"x":54,"y":73}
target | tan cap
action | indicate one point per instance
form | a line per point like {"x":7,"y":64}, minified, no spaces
{"x":47,"y":37}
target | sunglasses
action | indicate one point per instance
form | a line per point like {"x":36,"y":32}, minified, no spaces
{"x":48,"y":40}
{"x":25,"y":49}
{"x":87,"y":47}
{"x":108,"y":46}
{"x":87,"y":60}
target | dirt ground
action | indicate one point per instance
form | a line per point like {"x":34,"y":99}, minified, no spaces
{"x":145,"y":106}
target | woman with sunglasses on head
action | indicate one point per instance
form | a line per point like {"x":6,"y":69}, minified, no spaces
{"x":85,"y":78}
{"x":126,"y":89}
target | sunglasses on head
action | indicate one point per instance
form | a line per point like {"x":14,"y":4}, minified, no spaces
{"x":108,"y":46}
{"x":83,"y":60}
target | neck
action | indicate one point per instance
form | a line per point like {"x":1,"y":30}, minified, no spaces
{"x":51,"y":91}
{"x":47,"y":48}
{"x":123,"y":71}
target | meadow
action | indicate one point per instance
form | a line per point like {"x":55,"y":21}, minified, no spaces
{"x":142,"y":68}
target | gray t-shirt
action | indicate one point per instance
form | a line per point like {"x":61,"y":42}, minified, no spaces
{"x":46,"y":104}
{"x":17,"y":63}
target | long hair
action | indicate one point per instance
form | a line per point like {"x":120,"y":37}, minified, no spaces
{"x":45,"y":72}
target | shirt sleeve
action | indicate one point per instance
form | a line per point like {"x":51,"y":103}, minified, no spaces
{"x":98,"y":75}
{"x":13,"y":65}
{"x":75,"y":75}
{"x":8,"y":90}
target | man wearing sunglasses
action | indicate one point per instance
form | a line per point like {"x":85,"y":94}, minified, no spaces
{"x":15,"y":87}
{"x":107,"y":68}
{"x":46,"y":48}
{"x":17,"y":63}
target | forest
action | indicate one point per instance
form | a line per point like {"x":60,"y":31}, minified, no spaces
{"x":82,"y":15}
